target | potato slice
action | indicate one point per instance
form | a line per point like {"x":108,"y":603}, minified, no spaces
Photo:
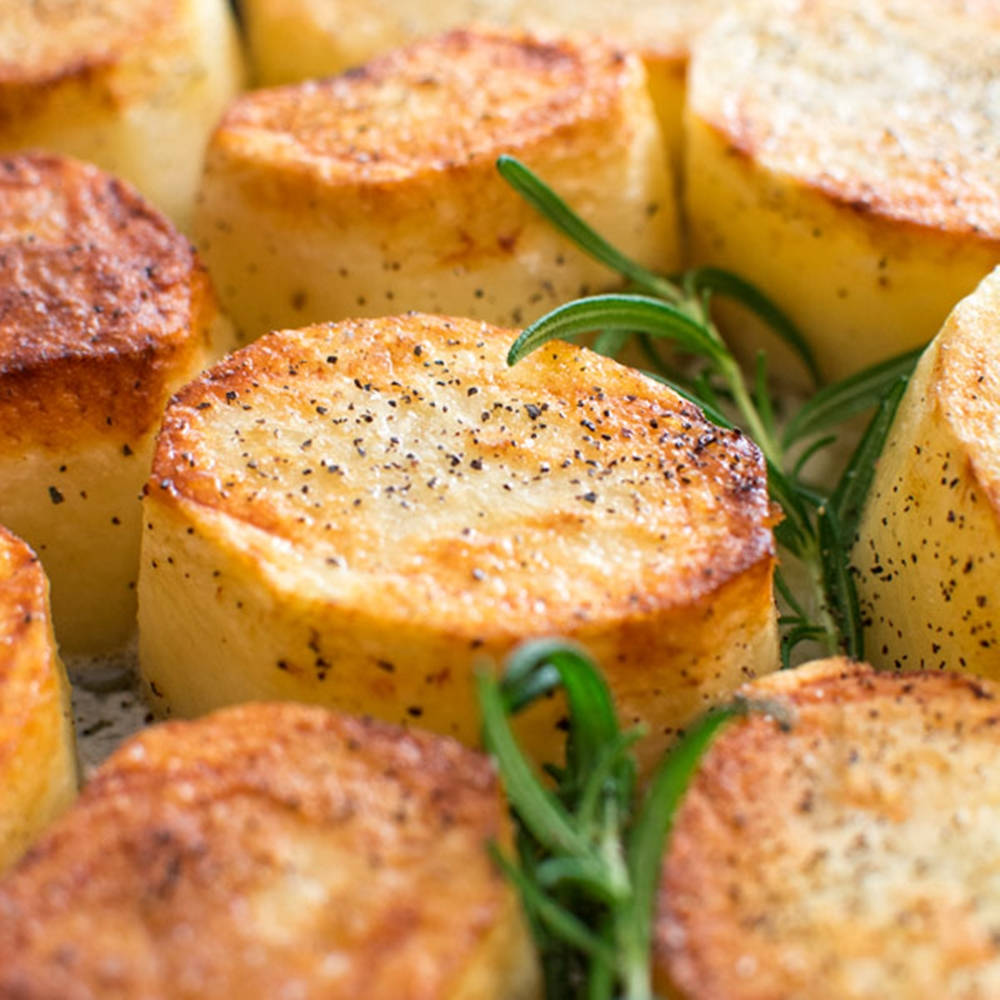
{"x":104,"y":310}
{"x":845,"y":157}
{"x":292,"y":40}
{"x":376,"y":191}
{"x":133,"y":85}
{"x":928,"y":549}
{"x":851,"y":858}
{"x":272,"y":851}
{"x":357,"y":514}
{"x":37,"y":758}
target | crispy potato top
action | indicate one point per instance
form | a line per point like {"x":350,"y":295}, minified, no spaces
{"x":853,"y":856}
{"x":44,"y":41}
{"x":277,"y":849}
{"x":399,"y":461}
{"x":398,"y":116}
{"x":890,"y":107}
{"x":966,"y":381}
{"x":99,"y":298}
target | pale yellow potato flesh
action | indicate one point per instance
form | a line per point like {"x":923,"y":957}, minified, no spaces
{"x":37,"y":756}
{"x":273,"y":851}
{"x":852,"y":856}
{"x":364,"y":532}
{"x":134,"y":86}
{"x":928,"y":550}
{"x":376,"y":191}
{"x":104,"y":311}
{"x":843,"y":156}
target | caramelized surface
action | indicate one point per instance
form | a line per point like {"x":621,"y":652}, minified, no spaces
{"x":889,"y":108}
{"x":44,"y":41}
{"x":101,"y":301}
{"x":408,"y":468}
{"x":37,"y":766}
{"x":851,"y":857}
{"x":395,"y":117}
{"x":269,"y":851}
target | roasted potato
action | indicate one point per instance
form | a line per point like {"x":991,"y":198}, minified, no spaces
{"x":272,"y":851}
{"x":376,"y":191}
{"x":292,"y":40}
{"x":927,"y":556}
{"x":133,"y":85}
{"x":844,"y":156}
{"x":104,"y":311}
{"x":357,"y":514}
{"x":37,"y":759}
{"x":853,"y":857}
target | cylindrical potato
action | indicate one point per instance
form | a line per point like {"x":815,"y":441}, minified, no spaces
{"x":851,"y":857}
{"x":272,"y":851}
{"x":361,"y":514}
{"x":292,"y":40}
{"x":134,"y":86}
{"x":928,"y":551}
{"x":37,"y":756}
{"x":845,"y":157}
{"x":376,"y":191}
{"x":104,"y":311}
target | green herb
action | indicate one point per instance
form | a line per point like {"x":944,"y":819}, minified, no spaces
{"x":819,"y":525}
{"x":588,"y":863}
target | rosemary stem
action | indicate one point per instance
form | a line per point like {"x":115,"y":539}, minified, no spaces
{"x":758,"y":432}
{"x":813,"y":561}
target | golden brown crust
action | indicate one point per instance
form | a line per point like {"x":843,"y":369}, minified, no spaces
{"x":393,"y":119}
{"x":102,"y":301}
{"x":966,"y":382}
{"x":37,"y":765}
{"x":22,"y":598}
{"x":45,"y":43}
{"x":274,"y":850}
{"x":846,"y":858}
{"x":885,"y":108}
{"x":23,"y":607}
{"x":408,"y":466}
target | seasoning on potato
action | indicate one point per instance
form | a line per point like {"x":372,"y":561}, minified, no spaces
{"x":356,"y":514}
{"x":852,"y":856}
{"x":104,"y":311}
{"x":292,"y":40}
{"x":844,"y":156}
{"x":272,"y":851}
{"x":927,"y":556}
{"x":376,"y":191}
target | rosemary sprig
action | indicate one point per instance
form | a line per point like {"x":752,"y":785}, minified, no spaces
{"x":588,"y":861}
{"x":819,"y":524}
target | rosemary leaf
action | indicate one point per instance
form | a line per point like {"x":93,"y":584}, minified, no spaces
{"x":817,"y":528}
{"x":842,"y":595}
{"x":814,"y":447}
{"x":848,"y":498}
{"x":646,"y":845}
{"x":732,"y":286}
{"x":616,"y":312}
{"x":835,"y":403}
{"x":538,"y":808}
{"x":555,"y":918}
{"x":549,"y":204}
{"x":610,"y":342}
